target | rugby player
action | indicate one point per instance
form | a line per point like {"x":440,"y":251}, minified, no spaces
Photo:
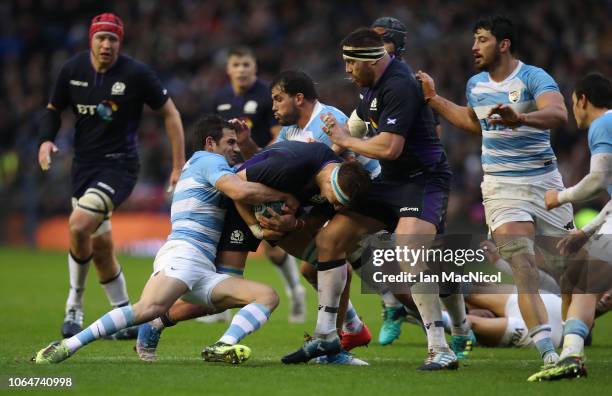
{"x":247,"y":98}
{"x":297,"y":108}
{"x":315,"y":175}
{"x":184,"y":267}
{"x":106,"y":91}
{"x":513,"y":106}
{"x":393,"y":33}
{"x":409,"y":195}
{"x":592,"y":106}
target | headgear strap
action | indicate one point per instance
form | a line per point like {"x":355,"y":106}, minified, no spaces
{"x":340,"y":195}
{"x":363,"y":53}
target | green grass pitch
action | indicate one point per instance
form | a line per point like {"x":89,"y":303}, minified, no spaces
{"x":33,"y":292}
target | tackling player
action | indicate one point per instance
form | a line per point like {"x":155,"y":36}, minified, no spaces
{"x":184,"y":267}
{"x":106,"y":91}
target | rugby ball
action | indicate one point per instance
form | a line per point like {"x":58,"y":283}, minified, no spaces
{"x":356,"y":126}
{"x":262,"y":209}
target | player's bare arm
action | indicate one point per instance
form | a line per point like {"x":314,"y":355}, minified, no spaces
{"x":462,"y":117}
{"x":174,"y":128}
{"x":385,"y":145}
{"x":551,"y":113}
{"x":253,"y":193}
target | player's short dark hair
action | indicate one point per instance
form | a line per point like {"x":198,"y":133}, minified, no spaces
{"x":597,"y":89}
{"x":209,"y":125}
{"x":363,"y":37}
{"x":241,"y":51}
{"x":354,"y":181}
{"x":501,"y":28}
{"x":293,"y":82}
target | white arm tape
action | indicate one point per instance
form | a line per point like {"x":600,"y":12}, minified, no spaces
{"x":598,"y":179}
{"x":257,"y":231}
{"x":594,"y":225}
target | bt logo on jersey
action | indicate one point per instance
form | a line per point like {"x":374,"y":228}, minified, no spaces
{"x":86,"y":109}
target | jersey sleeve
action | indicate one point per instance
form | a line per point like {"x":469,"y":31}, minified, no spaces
{"x":600,"y":138}
{"x":60,"y":94}
{"x":215,"y":167}
{"x":153,"y":92}
{"x":282,"y":135}
{"x":539,"y":82}
{"x":468,"y":92}
{"x":402,"y":103}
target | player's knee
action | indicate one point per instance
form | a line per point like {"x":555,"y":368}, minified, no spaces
{"x":80,"y":229}
{"x":268,"y":297}
{"x":518,"y":246}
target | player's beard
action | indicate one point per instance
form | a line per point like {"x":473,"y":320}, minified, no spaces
{"x":290,"y":118}
{"x":491,"y":64}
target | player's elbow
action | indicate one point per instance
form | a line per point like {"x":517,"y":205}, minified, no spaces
{"x":238,"y":194}
{"x":392,"y":152}
{"x":560,"y":117}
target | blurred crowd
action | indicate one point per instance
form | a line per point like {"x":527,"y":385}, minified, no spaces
{"x":186,"y":42}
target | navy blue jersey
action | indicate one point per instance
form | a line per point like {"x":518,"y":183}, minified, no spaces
{"x":254,"y":107}
{"x":108,"y":106}
{"x":395,"y":104}
{"x":290,"y":166}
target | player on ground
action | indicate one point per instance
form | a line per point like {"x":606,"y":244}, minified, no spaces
{"x":247,"y":98}
{"x":513,"y":106}
{"x":106,"y":90}
{"x":184,"y":267}
{"x":592,"y":105}
{"x":415,"y":175}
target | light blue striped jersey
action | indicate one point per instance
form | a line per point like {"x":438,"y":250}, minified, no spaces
{"x":522,"y":151}
{"x":314,"y":131}
{"x":198,"y":207}
{"x":600,"y":137}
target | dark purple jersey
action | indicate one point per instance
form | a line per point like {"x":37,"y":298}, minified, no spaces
{"x":395,"y":104}
{"x":254,"y":107}
{"x":108,"y":106}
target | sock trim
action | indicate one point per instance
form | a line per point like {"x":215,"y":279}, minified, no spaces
{"x":78,"y":260}
{"x":328,"y":265}
{"x":114,"y":277}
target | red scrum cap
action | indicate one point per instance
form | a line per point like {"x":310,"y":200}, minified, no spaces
{"x":107,"y":23}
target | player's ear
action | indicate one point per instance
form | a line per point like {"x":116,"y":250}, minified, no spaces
{"x":299,"y":98}
{"x":504,"y":45}
{"x":209,"y":143}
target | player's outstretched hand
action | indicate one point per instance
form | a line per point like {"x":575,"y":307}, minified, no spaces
{"x":44,"y":154}
{"x":504,"y":115}
{"x":551,"y":199}
{"x":243,"y":132}
{"x":427,"y":84}
{"x":572,"y":242}
{"x":337,"y":132}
